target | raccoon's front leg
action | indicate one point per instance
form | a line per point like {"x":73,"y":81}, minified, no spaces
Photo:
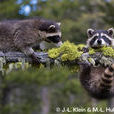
{"x":30,"y":52}
{"x":85,"y":70}
{"x":85,"y":67}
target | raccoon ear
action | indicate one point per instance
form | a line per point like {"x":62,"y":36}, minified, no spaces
{"x":59,"y":23}
{"x":51,"y":28}
{"x":110,"y":31}
{"x":90,"y":32}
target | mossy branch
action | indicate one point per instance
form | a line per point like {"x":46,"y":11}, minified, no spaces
{"x":68,"y":53}
{"x":44,"y":58}
{"x":18,"y":56}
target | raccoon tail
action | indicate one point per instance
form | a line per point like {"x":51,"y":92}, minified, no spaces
{"x":107,"y":78}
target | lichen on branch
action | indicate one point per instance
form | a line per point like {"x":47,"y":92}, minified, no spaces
{"x":68,"y":54}
{"x":68,"y":51}
{"x":71,"y":52}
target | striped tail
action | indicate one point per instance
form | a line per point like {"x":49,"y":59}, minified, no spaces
{"x":107,"y":78}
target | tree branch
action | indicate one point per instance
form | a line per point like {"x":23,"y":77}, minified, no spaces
{"x":17,"y":56}
{"x":44,"y":58}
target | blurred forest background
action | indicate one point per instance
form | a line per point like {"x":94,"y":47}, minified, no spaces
{"x":41,"y":91}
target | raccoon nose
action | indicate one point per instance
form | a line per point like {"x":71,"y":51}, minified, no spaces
{"x":99,"y":42}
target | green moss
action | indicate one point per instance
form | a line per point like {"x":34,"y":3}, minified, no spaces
{"x":91,"y":60}
{"x":80,"y":47}
{"x":68,"y":51}
{"x":106,"y":51}
{"x":91,"y":51}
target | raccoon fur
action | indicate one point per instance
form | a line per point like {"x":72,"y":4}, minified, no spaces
{"x":23,"y":35}
{"x":98,"y":81}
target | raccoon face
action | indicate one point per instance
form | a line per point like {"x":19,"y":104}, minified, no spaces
{"x":100,"y":38}
{"x":53,"y":33}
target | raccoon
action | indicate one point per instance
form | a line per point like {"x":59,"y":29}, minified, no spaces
{"x":100,"y":38}
{"x":98,"y":81}
{"x":23,"y":35}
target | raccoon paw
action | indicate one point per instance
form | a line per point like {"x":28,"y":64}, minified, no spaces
{"x":35,"y":59}
{"x":85,"y":50}
{"x":111,"y":68}
{"x":85,"y":64}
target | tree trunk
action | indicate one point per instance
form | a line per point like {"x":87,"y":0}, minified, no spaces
{"x":45,"y":100}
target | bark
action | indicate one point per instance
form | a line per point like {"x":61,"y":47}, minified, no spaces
{"x":18,"y":56}
{"x":45,"y":100}
{"x":10,"y":57}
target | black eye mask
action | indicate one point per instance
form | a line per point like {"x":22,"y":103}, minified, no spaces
{"x":93,"y":40}
{"x":54,"y":39}
{"x":106,"y":40}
